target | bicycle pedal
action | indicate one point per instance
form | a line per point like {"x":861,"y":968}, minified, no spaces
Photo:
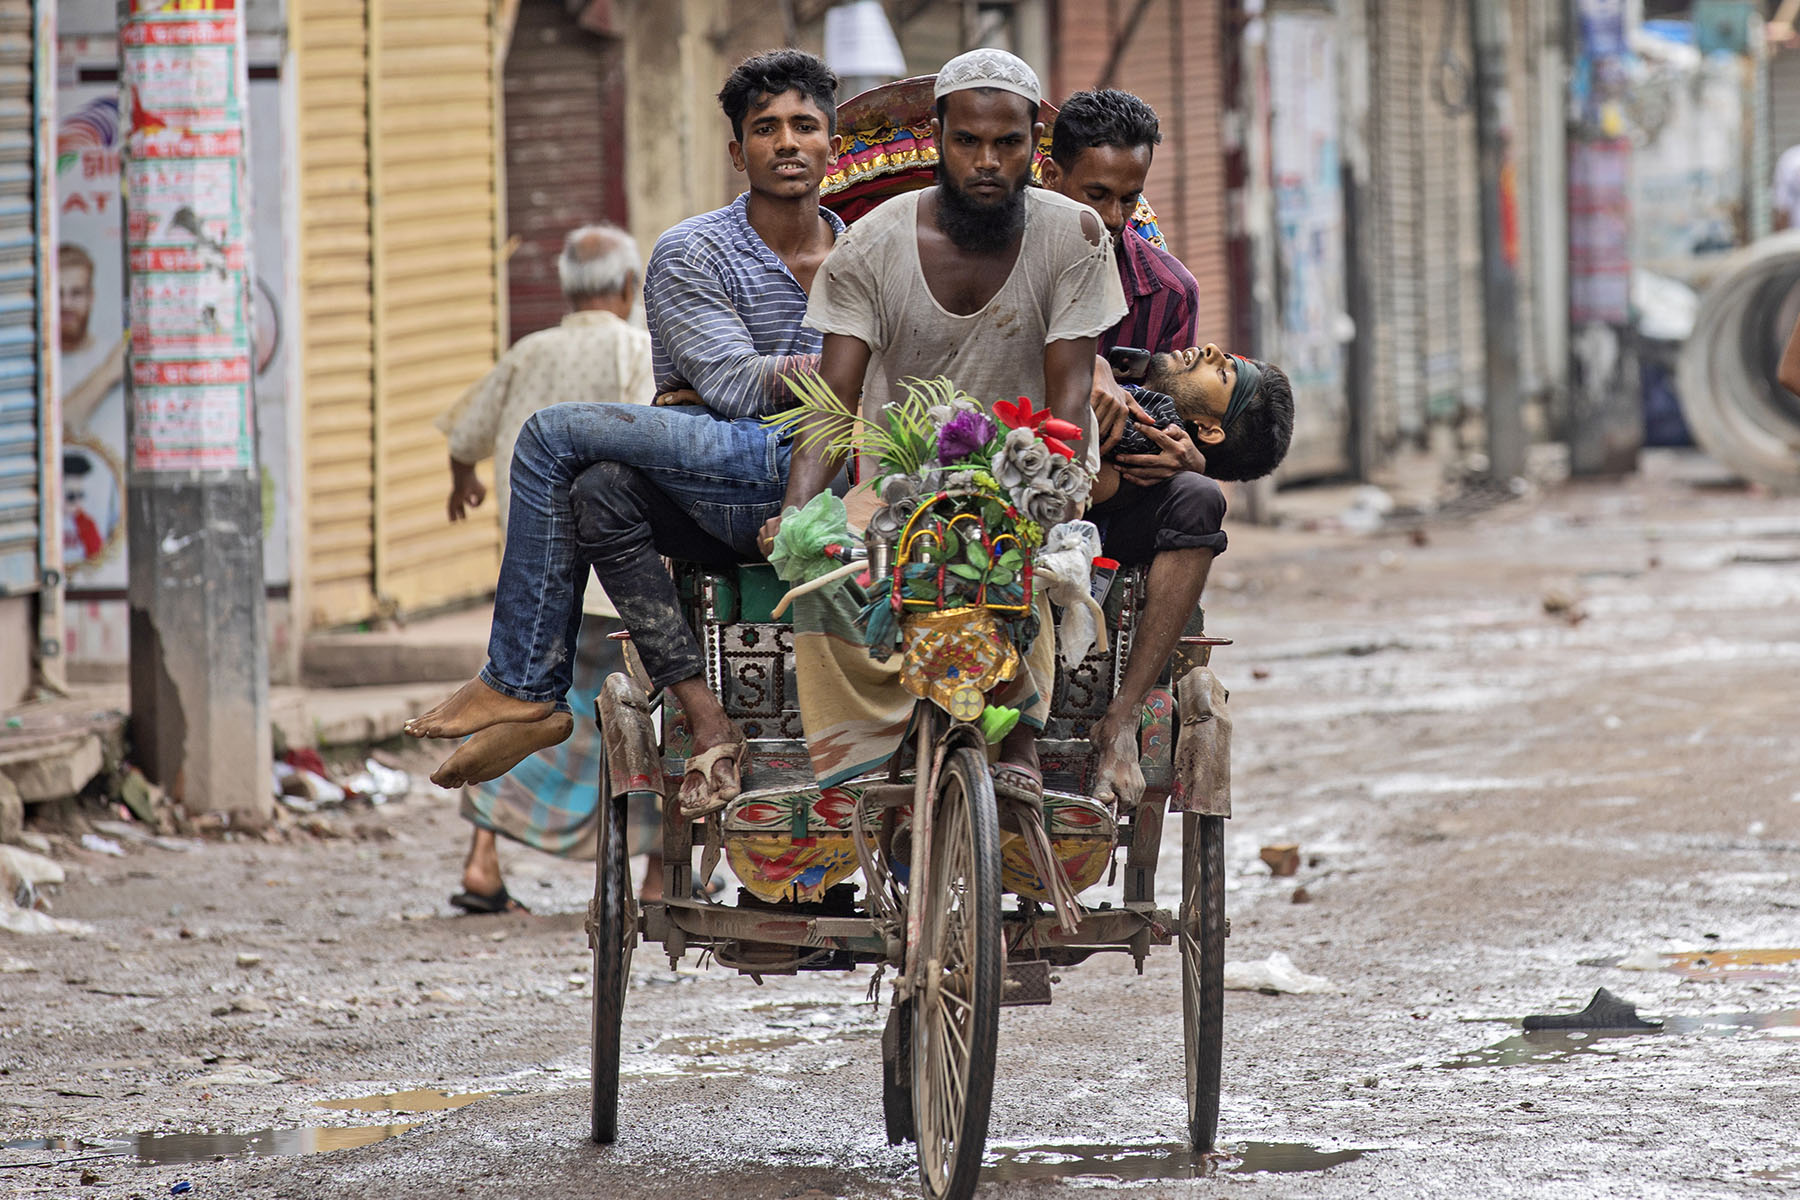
{"x":1025,"y":982}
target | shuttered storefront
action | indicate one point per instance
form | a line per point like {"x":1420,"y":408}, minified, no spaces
{"x":1171,"y":56}
{"x":1306,"y":200}
{"x":1784,"y":102}
{"x":1392,"y":220}
{"x":1524,"y":33}
{"x":337,"y":362}
{"x":400,"y":295}
{"x":22,"y":506}
{"x":436,"y":213}
{"x":1451,"y":225}
{"x":565,"y":151}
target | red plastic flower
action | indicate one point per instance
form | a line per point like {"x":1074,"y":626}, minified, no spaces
{"x":1052,"y":429}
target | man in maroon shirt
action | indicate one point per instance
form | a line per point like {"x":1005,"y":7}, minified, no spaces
{"x":1158,"y":508}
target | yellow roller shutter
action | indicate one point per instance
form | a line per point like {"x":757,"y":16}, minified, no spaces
{"x":435,"y":253}
{"x":337,"y":361}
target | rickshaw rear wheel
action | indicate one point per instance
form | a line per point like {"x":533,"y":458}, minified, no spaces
{"x":614,"y":932}
{"x":1203,"y":970}
{"x":956,"y":1008}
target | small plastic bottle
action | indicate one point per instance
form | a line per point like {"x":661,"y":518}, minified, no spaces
{"x":1102,"y":580}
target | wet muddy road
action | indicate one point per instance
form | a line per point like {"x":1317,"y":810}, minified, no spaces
{"x":1499,"y":808}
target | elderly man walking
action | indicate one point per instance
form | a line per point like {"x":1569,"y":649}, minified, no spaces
{"x":550,"y":799}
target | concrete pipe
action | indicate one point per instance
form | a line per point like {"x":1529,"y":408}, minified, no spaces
{"x":1736,"y":410}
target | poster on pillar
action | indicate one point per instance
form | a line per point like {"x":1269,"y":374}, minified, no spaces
{"x":90,"y":264}
{"x":183,"y":78}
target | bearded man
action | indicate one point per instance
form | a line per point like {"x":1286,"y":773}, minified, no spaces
{"x":1002,"y":287}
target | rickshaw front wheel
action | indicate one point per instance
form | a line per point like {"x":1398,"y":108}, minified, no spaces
{"x":956,"y":1007}
{"x":1203,"y":970}
{"x":612,"y":922}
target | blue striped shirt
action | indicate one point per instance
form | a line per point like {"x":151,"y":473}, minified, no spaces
{"x":725,"y":313}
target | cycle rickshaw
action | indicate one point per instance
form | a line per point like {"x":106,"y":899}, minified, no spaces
{"x":908,"y":869}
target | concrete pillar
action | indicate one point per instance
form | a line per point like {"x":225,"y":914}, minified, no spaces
{"x":199,"y":651}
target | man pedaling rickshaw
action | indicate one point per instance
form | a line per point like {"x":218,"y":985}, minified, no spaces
{"x":999,"y":286}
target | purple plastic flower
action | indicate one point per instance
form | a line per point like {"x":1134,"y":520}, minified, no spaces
{"x":963,"y":434}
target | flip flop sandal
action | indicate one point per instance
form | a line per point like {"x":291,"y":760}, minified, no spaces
{"x":476,"y":904}
{"x":1014,"y":782}
{"x":704,"y":801}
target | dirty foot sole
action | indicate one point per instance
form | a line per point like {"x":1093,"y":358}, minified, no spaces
{"x":495,"y":751}
{"x":474,"y":707}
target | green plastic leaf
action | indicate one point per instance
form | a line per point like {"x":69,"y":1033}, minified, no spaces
{"x":996,"y":722}
{"x":965,"y":571}
{"x":1000,"y":576}
{"x":1013,"y":559}
{"x":978,"y":554}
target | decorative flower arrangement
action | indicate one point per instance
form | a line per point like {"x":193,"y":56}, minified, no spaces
{"x":967,"y":493}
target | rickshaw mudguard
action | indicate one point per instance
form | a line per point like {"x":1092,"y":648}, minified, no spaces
{"x":1202,"y":746}
{"x":633,"y":763}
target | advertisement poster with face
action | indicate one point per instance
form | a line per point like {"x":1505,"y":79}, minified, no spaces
{"x":91,"y":334}
{"x":92,"y":337}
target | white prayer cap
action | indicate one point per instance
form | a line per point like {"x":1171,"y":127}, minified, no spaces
{"x":988,"y":68}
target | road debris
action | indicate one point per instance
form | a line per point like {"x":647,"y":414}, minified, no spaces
{"x":102,"y":845}
{"x":1273,"y":975}
{"x":1283,"y":858}
{"x":1604,"y":1011}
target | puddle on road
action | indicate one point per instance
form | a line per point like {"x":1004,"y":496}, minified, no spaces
{"x":1546,"y":1047}
{"x":1751,"y":966}
{"x":1735,"y":964}
{"x":168,"y":1149}
{"x":410,"y":1102}
{"x":1172,"y":1160}
{"x":717,"y":1047}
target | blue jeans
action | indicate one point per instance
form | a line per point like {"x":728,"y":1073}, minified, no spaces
{"x":721,"y":478}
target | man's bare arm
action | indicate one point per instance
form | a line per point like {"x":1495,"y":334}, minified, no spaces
{"x":1069,"y":383}
{"x":1789,"y":371}
{"x":842,"y":367}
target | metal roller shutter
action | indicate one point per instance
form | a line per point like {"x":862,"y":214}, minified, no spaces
{"x":435,"y":253}
{"x":1784,"y":102}
{"x":1308,"y":233}
{"x":20,"y":500}
{"x":564,"y":152}
{"x":1521,"y":68}
{"x":337,"y":361}
{"x":1451,"y":224}
{"x":1394,"y":220}
{"x":1174,"y":60}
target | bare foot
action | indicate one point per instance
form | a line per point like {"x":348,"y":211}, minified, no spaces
{"x":1118,"y":775}
{"x":496,"y":750}
{"x":481,"y":869}
{"x":714,"y":776}
{"x":475,"y":706}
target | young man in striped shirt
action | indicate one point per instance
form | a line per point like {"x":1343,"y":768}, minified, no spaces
{"x":695,"y":477}
{"x":1162,"y":508}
